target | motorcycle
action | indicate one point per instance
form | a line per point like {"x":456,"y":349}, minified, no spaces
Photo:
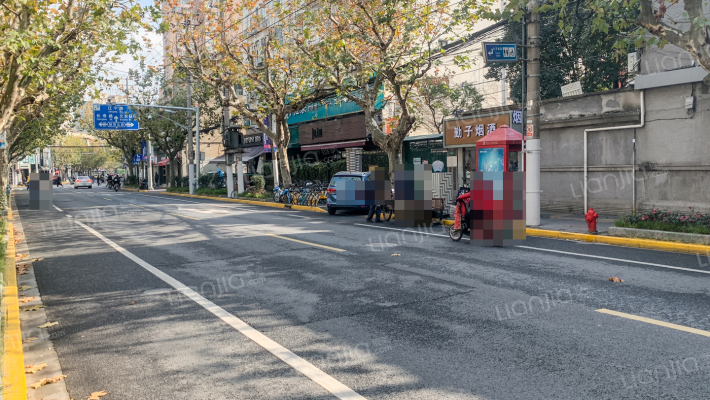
{"x":143,"y":185}
{"x":116,"y":184}
{"x":462,"y":215}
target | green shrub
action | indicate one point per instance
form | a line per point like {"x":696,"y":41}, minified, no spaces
{"x":675,"y":221}
{"x":178,"y":189}
{"x":132,"y":180}
{"x":211,"y":191}
{"x":259,"y":182}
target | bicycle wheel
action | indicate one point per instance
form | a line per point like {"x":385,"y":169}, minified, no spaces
{"x":387,"y":212}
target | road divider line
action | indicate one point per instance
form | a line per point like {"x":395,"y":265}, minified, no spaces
{"x":615,"y":259}
{"x":655,"y":322}
{"x":57,"y":208}
{"x":557,"y":251}
{"x":107,"y":199}
{"x":180,"y":215}
{"x":308,"y":243}
{"x":309,"y":370}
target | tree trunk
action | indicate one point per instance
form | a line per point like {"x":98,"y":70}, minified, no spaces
{"x":394,"y":156}
{"x":4,"y":179}
{"x":172,"y":166}
{"x":284,"y":168}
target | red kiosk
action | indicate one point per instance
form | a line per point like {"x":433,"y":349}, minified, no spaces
{"x":500,"y":150}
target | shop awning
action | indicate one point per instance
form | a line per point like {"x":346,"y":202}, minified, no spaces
{"x":335,"y":145}
{"x":164,"y":162}
{"x":249,"y":153}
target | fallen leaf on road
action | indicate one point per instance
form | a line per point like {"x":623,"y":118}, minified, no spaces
{"x":37,"y":259}
{"x":32,"y":368}
{"x":17,"y":241}
{"x":96,"y":395}
{"x":133,"y":302}
{"x":23,"y":270}
{"x":616,"y":279}
{"x":33,"y":308}
{"x":19,"y":256}
{"x":26,"y":299}
{"x":30,"y":339}
{"x":24,"y":287}
{"x":396,"y":255}
{"x":47,"y":381}
{"x":48,"y":324}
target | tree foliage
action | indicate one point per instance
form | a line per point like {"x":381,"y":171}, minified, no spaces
{"x":634,"y":23}
{"x":575,"y":51}
{"x":439,"y":99}
{"x":254,"y":68}
{"x":367,"y":48}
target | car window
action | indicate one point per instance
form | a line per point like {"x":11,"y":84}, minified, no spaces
{"x":345,"y":178}
{"x":83,"y":177}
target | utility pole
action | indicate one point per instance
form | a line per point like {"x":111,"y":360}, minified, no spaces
{"x":532,"y":122}
{"x":150,"y":165}
{"x":274,"y":149}
{"x":502,"y":72}
{"x":190,"y":152}
{"x":230,"y":166}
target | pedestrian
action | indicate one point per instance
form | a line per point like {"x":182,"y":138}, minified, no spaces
{"x":374,"y":209}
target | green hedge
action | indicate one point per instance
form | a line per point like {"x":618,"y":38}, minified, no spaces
{"x":692,"y":222}
{"x":301,"y":171}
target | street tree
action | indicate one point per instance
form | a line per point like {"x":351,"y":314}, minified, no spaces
{"x":370,"y":49}
{"x":53,"y":49}
{"x":252,"y":64}
{"x":639,"y":23}
{"x":573,"y":51}
{"x":439,"y":98}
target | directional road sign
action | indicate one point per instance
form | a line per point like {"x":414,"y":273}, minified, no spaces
{"x":499,"y":52}
{"x":136,"y":159}
{"x":115,"y":118}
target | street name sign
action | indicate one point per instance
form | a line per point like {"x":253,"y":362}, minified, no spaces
{"x":114,"y":118}
{"x":499,"y":52}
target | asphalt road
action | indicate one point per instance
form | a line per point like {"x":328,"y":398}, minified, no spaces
{"x":162,"y":297}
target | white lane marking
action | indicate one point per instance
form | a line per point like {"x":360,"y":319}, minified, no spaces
{"x":407,"y":230}
{"x":326,"y":381}
{"x":557,"y":251}
{"x":616,"y":259}
{"x":57,"y":208}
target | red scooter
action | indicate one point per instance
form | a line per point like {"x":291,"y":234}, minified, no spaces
{"x":462,"y":215}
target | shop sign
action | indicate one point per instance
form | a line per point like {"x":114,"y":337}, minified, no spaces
{"x":467,"y":131}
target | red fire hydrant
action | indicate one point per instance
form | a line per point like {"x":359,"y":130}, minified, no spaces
{"x":591,"y":218}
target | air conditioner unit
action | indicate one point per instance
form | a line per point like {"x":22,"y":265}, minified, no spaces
{"x":633,"y":62}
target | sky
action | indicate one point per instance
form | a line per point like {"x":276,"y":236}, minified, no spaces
{"x":152,"y":51}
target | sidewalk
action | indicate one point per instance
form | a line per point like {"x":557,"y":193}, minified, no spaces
{"x":574,"y":223}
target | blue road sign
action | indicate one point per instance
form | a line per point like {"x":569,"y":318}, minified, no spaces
{"x":136,"y":159}
{"x":114,"y":118}
{"x":499,"y":52}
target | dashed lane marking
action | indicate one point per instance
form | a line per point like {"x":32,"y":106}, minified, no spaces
{"x":308,"y":243}
{"x":326,"y":381}
{"x":57,"y":208}
{"x":558,"y":251}
{"x":185,"y":216}
{"x":655,"y":322}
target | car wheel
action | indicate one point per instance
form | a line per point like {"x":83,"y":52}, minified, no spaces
{"x":90,"y":187}
{"x":331,"y":210}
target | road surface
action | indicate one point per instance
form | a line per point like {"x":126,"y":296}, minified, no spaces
{"x":163,"y":297}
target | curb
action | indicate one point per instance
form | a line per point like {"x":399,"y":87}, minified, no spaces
{"x":133,"y":190}
{"x":625,"y":242}
{"x":616,"y":241}
{"x":252,"y":202}
{"x":13,"y":367}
